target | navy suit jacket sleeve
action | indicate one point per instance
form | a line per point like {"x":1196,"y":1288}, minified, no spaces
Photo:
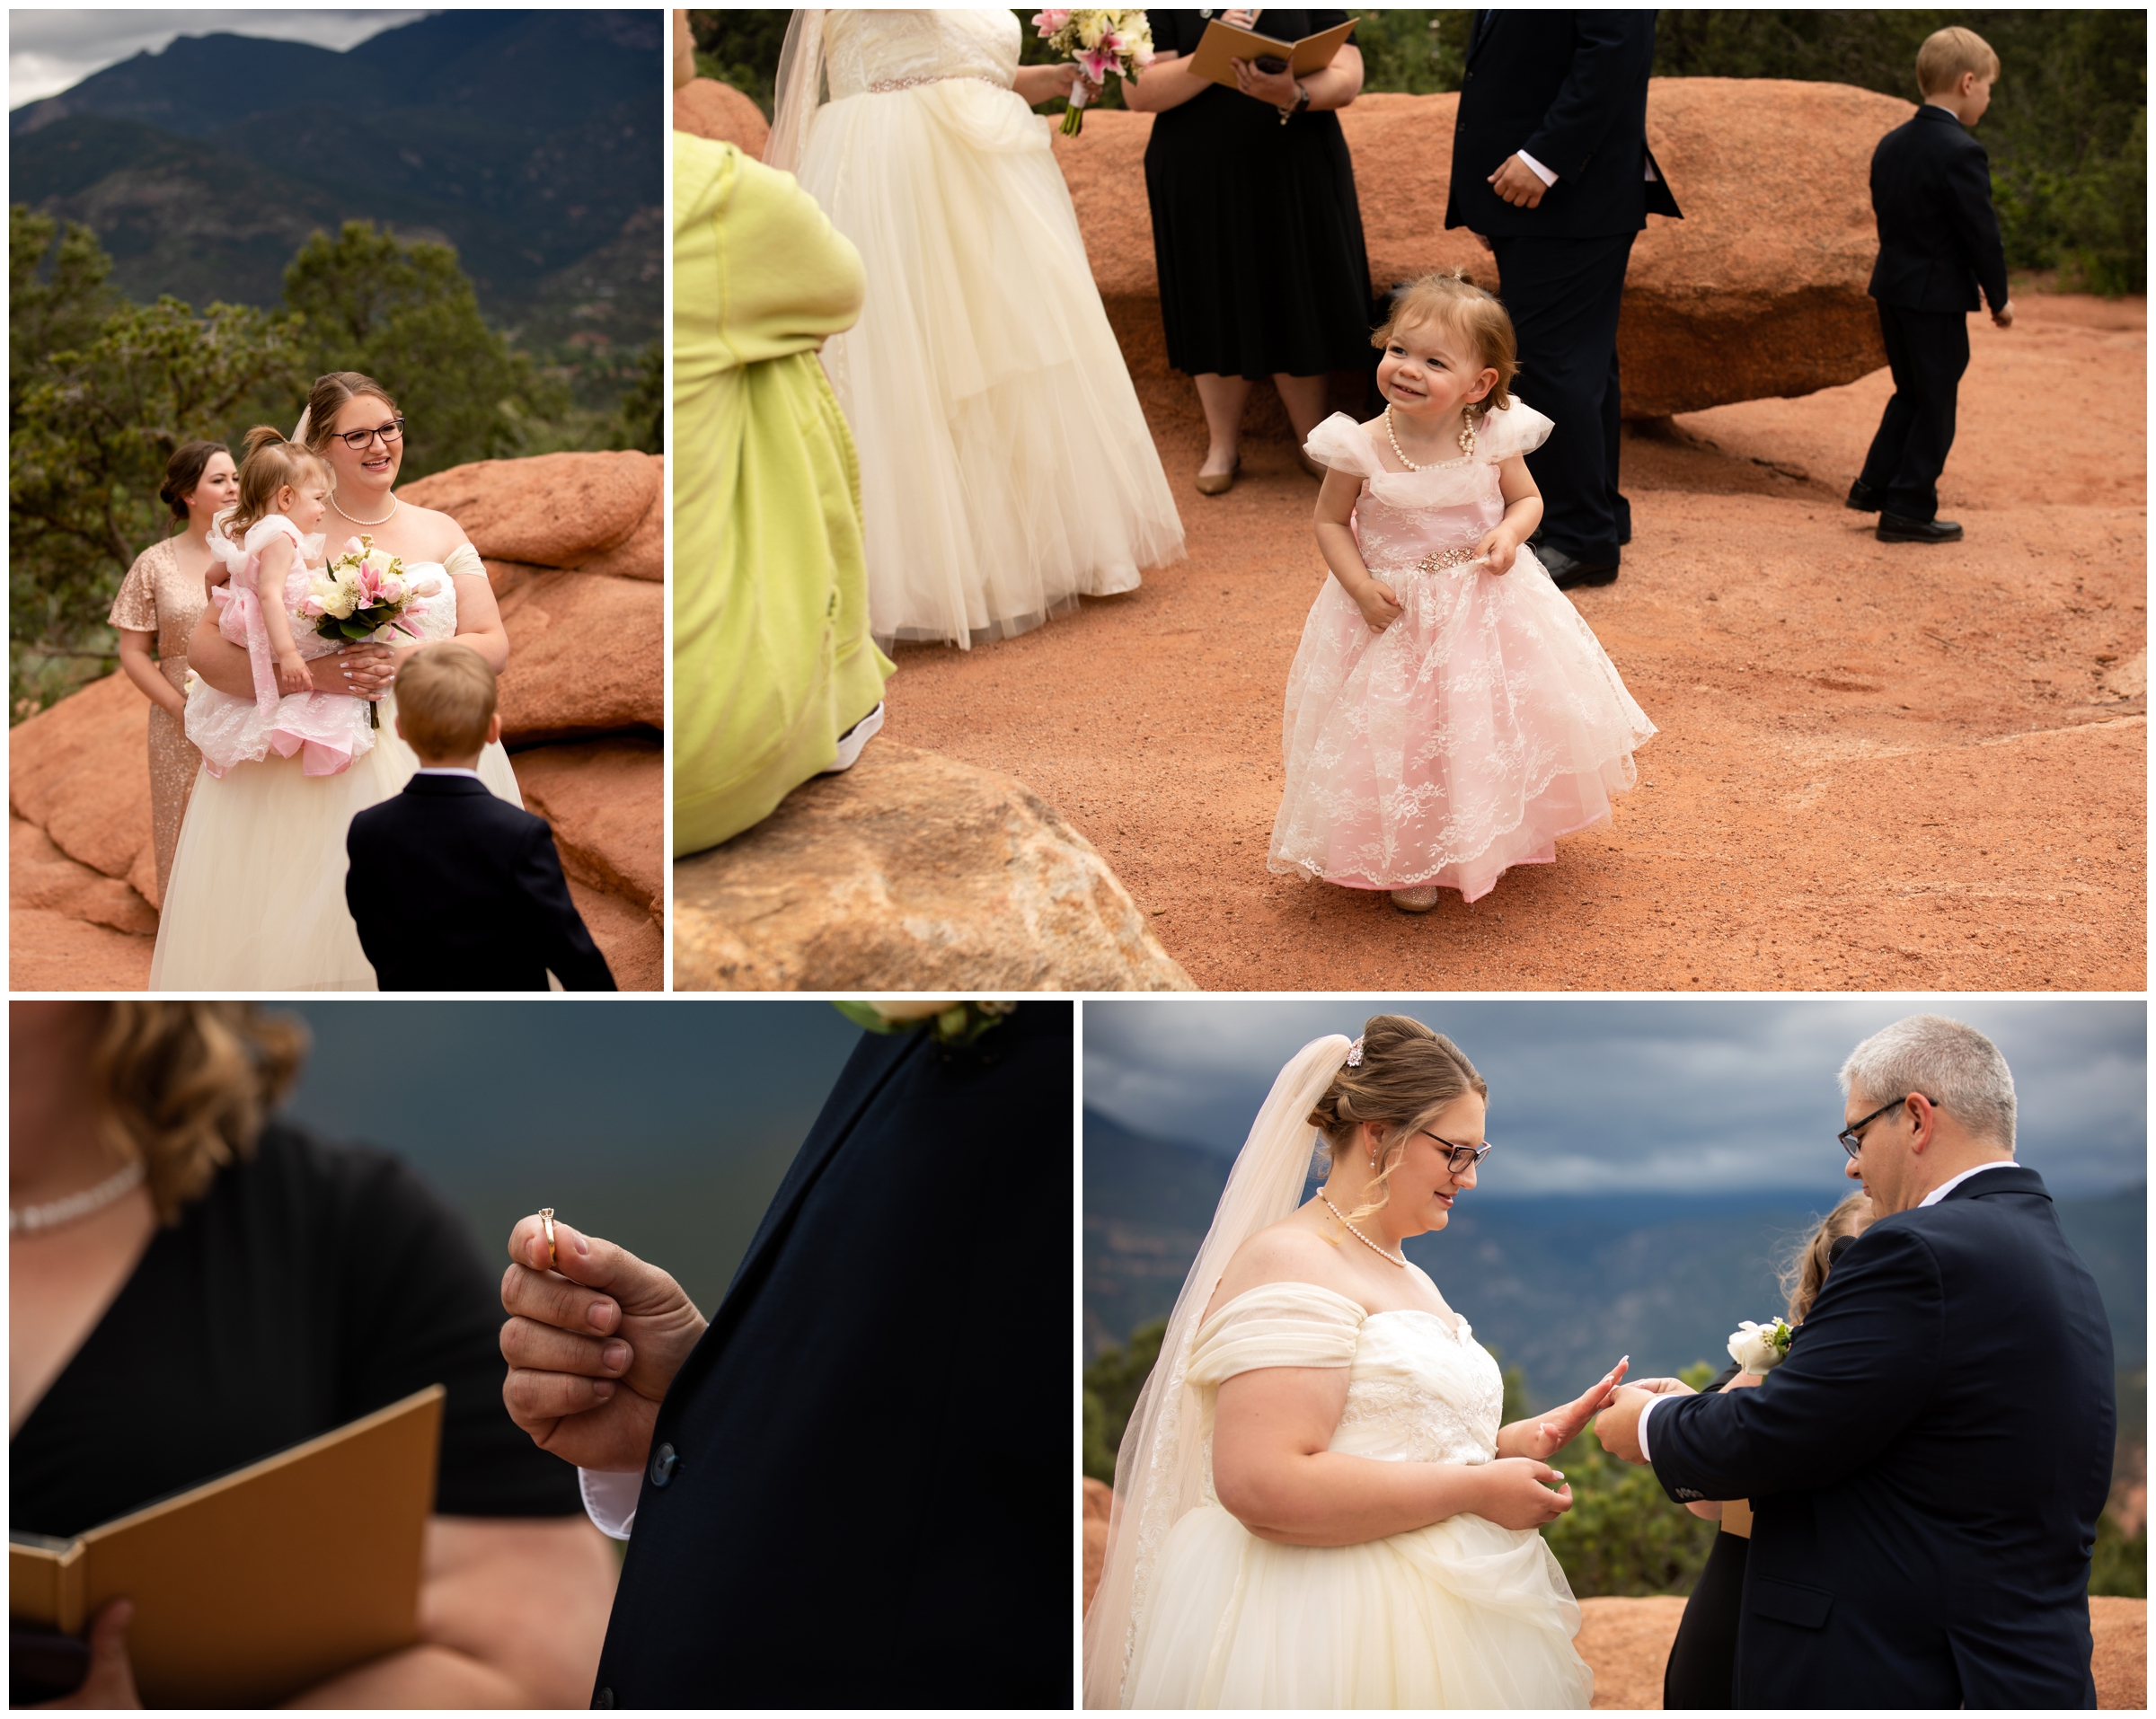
{"x":1860,"y":1370}
{"x":557,"y":927}
{"x":1615,"y":53}
{"x":1975,"y":222}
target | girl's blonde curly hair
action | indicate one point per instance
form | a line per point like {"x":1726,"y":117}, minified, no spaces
{"x":1454,"y":302}
{"x":184,"y":1088}
{"x":1408,"y":1074}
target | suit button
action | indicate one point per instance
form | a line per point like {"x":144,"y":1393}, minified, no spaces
{"x":664,"y":1461}
{"x":604,"y":1698}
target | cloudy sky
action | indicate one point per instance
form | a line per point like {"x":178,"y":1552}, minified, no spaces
{"x":1678,"y":1095}
{"x":51,"y":51}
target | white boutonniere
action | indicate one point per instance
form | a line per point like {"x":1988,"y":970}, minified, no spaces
{"x":1760,"y":1348}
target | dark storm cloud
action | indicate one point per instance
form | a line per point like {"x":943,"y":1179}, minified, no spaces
{"x":1678,"y":1095}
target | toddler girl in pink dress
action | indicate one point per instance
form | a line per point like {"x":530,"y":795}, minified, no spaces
{"x":1449,"y":714}
{"x":258,"y":582}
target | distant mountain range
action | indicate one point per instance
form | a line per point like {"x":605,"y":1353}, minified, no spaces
{"x":529,"y":140}
{"x":1560,"y":1286}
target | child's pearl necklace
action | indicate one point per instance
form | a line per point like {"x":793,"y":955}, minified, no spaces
{"x":1403,"y":459}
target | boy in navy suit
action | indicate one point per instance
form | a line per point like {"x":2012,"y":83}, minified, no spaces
{"x":1939,"y":241}
{"x":453,"y":888}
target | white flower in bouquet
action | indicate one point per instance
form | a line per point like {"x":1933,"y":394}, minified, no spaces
{"x":1760,"y":1348}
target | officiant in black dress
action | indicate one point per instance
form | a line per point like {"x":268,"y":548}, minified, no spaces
{"x":854,"y":1486}
{"x":1550,"y":167}
{"x":1257,"y":233}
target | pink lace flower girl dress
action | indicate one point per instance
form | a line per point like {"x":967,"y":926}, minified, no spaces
{"x":329,"y":728}
{"x":1482,"y":724}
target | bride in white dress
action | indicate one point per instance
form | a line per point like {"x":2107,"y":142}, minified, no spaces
{"x":256,"y":900}
{"x":1006,"y":469}
{"x":1315,"y":1505}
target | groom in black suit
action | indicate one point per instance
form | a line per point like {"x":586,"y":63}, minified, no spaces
{"x":1927,"y":1466}
{"x":1552,"y":169}
{"x":453,"y":888}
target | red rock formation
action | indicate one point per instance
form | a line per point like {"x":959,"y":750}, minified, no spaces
{"x":710,"y":109}
{"x":574,"y":547}
{"x":1757,"y":293}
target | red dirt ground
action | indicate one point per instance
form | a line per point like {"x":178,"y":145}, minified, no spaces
{"x":1880,"y":766}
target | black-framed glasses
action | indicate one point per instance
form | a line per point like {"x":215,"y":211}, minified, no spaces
{"x":357,"y":440}
{"x":1461,"y":1155}
{"x":1852,"y":1136}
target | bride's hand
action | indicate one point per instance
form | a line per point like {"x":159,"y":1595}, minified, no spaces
{"x":364,"y":671}
{"x":588,"y":1370}
{"x":1520,"y":1493}
{"x":1551,"y":1432}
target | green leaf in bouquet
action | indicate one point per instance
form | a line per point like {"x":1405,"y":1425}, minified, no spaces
{"x":863,"y":1014}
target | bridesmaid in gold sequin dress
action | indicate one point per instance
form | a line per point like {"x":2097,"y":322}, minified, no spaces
{"x":159,"y":602}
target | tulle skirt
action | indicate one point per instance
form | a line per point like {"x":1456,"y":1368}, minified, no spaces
{"x":1005,"y":467}
{"x":256,"y":900}
{"x":1461,"y":1614}
{"x":1482,"y":724}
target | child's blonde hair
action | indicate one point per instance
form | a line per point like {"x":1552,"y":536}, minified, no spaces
{"x":444,"y":699}
{"x":1454,"y":302}
{"x":1947,"y":54}
{"x":269,"y":464}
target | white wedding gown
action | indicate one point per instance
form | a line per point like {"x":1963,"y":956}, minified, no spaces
{"x":256,"y":900}
{"x":1459,"y":1614}
{"x":1006,"y":469}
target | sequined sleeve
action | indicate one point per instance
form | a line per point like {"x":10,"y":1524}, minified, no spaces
{"x":135,"y":609}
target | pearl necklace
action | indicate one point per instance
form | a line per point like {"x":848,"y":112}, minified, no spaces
{"x":51,"y":1215}
{"x":1467,"y":435}
{"x":1360,"y":1237}
{"x":395,"y":503}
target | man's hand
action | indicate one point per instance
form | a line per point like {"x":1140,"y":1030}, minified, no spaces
{"x":1617,"y":1424}
{"x":1546,"y":1435}
{"x":1518,"y":184}
{"x":111,"y":1680}
{"x":2002,"y":316}
{"x":592,"y":1346}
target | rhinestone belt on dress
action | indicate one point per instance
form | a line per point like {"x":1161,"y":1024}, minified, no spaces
{"x":883,"y":87}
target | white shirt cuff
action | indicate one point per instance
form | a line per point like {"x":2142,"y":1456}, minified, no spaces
{"x":1536,"y":167}
{"x":1646,"y":1414}
{"x":610,"y":1500}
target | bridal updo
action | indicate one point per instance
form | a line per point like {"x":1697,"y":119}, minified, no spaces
{"x":1408,"y":1074}
{"x":185,"y":1087}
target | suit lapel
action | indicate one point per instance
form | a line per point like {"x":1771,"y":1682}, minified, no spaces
{"x":1479,"y":32}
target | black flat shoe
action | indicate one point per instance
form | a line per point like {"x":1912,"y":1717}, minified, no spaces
{"x":1862,"y":497}
{"x":1894,"y":529}
{"x":1567,"y":573}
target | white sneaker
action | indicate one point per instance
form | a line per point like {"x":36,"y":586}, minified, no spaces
{"x":854,"y":738}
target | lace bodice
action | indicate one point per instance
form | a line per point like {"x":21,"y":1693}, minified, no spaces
{"x":865,"y":49}
{"x":1402,"y":518}
{"x":1418,"y":1390}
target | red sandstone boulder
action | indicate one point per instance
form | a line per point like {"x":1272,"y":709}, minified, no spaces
{"x":642,"y":554}
{"x":40,"y":876}
{"x":606,"y":801}
{"x":1757,"y":293}
{"x":553,"y":510}
{"x":710,"y":109}
{"x":81,"y":772}
{"x":585,"y":656}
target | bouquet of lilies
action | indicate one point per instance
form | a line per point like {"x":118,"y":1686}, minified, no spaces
{"x":1103,"y":42}
{"x":365,"y":596}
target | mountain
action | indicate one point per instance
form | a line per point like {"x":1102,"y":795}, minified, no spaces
{"x":1559,"y":1285}
{"x":529,"y":140}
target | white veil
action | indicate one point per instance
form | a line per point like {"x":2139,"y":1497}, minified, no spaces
{"x":1158,"y":1469}
{"x":799,"y":90}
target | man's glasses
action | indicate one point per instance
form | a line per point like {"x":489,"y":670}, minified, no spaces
{"x":357,"y":440}
{"x":1852,"y":1136}
{"x":1461,"y":1155}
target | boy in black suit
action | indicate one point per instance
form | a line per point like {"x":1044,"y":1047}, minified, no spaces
{"x":1939,"y":241}
{"x":452,"y":889}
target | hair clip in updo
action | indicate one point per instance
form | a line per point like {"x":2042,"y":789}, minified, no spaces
{"x":1354,"y":1055}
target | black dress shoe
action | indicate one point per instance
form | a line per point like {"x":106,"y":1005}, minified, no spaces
{"x":1894,"y":529}
{"x":1567,"y":573}
{"x":1862,"y":497}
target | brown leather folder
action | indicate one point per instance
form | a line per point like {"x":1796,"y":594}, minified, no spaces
{"x":1224,"y":42}
{"x":261,"y":1582}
